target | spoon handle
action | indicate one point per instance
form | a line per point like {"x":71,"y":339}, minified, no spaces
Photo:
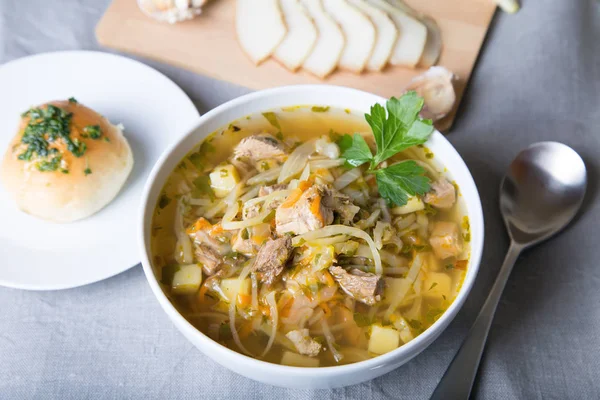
{"x":458,"y":379}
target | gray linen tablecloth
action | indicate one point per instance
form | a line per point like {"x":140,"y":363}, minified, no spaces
{"x":538,"y":78}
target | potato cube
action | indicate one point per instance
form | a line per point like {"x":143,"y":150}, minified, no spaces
{"x":296,"y":360}
{"x":414,"y":204}
{"x":223,"y":179}
{"x":383,"y":339}
{"x":437,"y":285}
{"x":187,"y":279}
{"x":234,"y":285}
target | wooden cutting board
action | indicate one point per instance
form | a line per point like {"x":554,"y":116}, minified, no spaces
{"x":208,"y":45}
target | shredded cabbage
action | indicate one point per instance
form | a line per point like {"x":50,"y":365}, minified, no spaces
{"x":270,"y":299}
{"x":330,"y":341}
{"x":296,"y":161}
{"x":333,"y":230}
{"x":183,"y":241}
{"x":318,"y":164}
{"x":347,"y":178}
{"x":266,"y":176}
{"x":414,"y":270}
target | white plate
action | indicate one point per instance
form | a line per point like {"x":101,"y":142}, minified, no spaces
{"x":39,"y":255}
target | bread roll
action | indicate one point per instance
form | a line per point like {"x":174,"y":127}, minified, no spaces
{"x":84,"y":162}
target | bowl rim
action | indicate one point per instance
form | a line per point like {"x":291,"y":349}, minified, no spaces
{"x":406,"y":351}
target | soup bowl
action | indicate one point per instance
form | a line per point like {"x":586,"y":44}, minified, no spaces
{"x":280,"y":375}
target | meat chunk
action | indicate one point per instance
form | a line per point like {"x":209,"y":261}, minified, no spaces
{"x":303,"y":212}
{"x":363,"y":286}
{"x":266,"y":190}
{"x":259,"y":147}
{"x":445,"y":239}
{"x":271,"y":258}
{"x":209,"y":258}
{"x":340,"y":203}
{"x":304,"y":343}
{"x":442,"y":194}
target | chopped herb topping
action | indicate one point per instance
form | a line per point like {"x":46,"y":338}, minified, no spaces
{"x":51,"y":165}
{"x":234,"y":128}
{"x":72,"y":100}
{"x":279,"y":135}
{"x":319,"y":109}
{"x":434,"y":284}
{"x":265,"y":166}
{"x":87,"y":171}
{"x":93,"y":131}
{"x":45,"y":126}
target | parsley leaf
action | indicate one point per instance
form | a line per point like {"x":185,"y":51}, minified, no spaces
{"x":401,"y":128}
{"x":395,"y":127}
{"x":355,"y":149}
{"x":400,"y":180}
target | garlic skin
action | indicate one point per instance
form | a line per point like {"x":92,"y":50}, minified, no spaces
{"x":171,"y":11}
{"x":436,"y":87}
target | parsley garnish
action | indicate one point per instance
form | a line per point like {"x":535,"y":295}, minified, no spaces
{"x":87,"y":171}
{"x":395,"y":130}
{"x":72,"y":100}
{"x":51,"y":165}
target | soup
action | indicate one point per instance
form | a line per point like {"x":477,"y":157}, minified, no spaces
{"x":273,"y":244}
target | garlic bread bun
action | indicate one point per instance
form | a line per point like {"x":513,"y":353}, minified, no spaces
{"x":66,"y":162}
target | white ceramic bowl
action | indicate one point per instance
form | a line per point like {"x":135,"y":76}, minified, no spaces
{"x":279,"y":375}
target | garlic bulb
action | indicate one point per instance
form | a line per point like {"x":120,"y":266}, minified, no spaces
{"x":171,"y":11}
{"x":436,"y":88}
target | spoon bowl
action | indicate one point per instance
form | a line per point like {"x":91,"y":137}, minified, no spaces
{"x":542,"y":191}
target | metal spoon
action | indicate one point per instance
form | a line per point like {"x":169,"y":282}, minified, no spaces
{"x":540,"y":195}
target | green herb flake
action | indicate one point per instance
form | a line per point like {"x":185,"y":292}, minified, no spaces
{"x":415,"y":324}
{"x":163,"y":201}
{"x":319,"y":109}
{"x":202,"y":184}
{"x":272,"y":118}
{"x":234,"y":128}
{"x":449,"y":266}
{"x":167,"y":273}
{"x":430,"y":210}
{"x":347,"y":110}
{"x":93,"y":131}
{"x":265,"y":166}
{"x":64,"y":171}
{"x":51,"y":165}
{"x":434,"y":284}
{"x":279,"y":135}
{"x":361,"y":319}
{"x":106,"y":139}
{"x":72,"y":100}
{"x":87,"y":171}
{"x":223,"y":173}
{"x":196,"y":160}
